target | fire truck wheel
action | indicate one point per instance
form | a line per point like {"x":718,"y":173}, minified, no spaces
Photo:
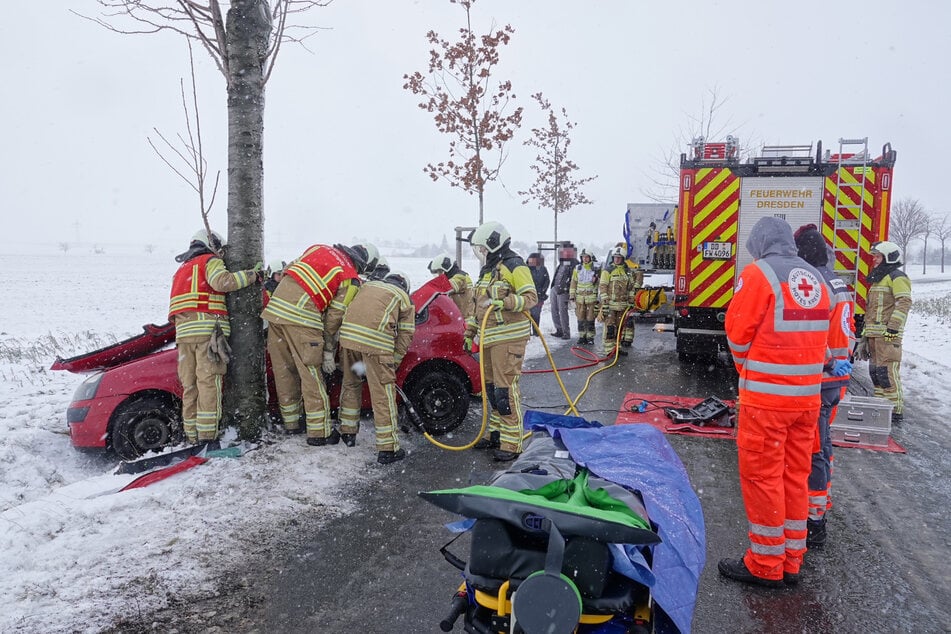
{"x":440,"y":397}
{"x":141,"y":425}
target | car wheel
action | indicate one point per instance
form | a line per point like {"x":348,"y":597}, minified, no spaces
{"x":144,"y":425}
{"x":440,"y":398}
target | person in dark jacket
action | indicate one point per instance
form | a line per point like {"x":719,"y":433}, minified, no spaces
{"x":560,"y":284}
{"x":536,"y":264}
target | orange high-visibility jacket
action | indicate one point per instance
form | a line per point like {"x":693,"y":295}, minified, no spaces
{"x":320,"y":271}
{"x":777,"y":328}
{"x":841,"y":326}
{"x":191,"y":291}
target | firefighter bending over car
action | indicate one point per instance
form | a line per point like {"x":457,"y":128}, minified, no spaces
{"x":198,"y":310}
{"x":505,"y":289}
{"x":889,"y":300}
{"x":304,"y":315}
{"x":777,"y":327}
{"x":461,"y":293}
{"x":377,"y":331}
{"x":583,"y":291}
{"x":617,"y":289}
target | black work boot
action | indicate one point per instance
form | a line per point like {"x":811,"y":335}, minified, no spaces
{"x":736,"y":570}
{"x":332,"y":439}
{"x":897,"y":418}
{"x":501,"y":455}
{"x":815,"y":533}
{"x":791,"y":578}
{"x":492,"y":442}
{"x":388,"y":457}
{"x":349,"y":440}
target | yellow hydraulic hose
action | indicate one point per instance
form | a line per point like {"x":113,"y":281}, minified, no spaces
{"x":485,"y":397}
{"x":617,"y":350}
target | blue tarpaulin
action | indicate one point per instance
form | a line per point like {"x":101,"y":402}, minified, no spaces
{"x":640,"y":458}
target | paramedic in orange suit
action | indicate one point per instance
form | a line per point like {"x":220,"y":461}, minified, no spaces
{"x":777,"y":329}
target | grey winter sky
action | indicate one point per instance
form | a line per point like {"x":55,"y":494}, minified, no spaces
{"x":345,"y":145}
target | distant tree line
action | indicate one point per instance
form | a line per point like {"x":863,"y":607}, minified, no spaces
{"x":911,"y":224}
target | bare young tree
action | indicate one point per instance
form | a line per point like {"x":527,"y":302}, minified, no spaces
{"x":458,"y":91}
{"x":710,"y":123}
{"x":555,"y":187}
{"x":243,"y":37}
{"x":907,"y":223}
{"x":942,"y":231}
{"x":191,"y":153}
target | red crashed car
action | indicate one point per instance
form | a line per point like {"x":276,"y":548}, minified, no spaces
{"x":132,"y":401}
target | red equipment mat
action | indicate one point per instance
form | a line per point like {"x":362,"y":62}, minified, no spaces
{"x":654,"y":415}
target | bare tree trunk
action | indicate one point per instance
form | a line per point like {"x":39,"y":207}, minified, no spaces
{"x":555,"y":237}
{"x":247,"y":36}
{"x":924,"y":257}
{"x":481,"y":207}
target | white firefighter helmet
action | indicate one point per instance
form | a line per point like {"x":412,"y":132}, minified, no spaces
{"x":440,"y":264}
{"x":276,"y":266}
{"x":398,"y":278}
{"x":890,"y":252}
{"x":585,"y":254}
{"x":617,"y":252}
{"x":491,"y":236}
{"x":214,"y":244}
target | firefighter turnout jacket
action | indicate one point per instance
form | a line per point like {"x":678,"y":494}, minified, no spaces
{"x":198,"y":296}
{"x":381,"y":318}
{"x":314,"y":291}
{"x":510,"y":281}
{"x":889,"y":301}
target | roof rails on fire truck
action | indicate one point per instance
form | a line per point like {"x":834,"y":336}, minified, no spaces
{"x":784,"y":158}
{"x":723,"y":151}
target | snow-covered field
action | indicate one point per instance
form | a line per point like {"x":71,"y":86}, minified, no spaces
{"x":76,"y":564}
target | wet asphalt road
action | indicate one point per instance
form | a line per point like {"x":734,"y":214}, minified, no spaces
{"x":885,"y":568}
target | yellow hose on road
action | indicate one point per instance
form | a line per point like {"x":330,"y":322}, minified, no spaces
{"x":485,"y":396}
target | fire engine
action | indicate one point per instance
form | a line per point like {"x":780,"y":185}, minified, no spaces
{"x":846,"y":194}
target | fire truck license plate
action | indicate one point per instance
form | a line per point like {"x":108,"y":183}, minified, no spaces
{"x":717,"y":250}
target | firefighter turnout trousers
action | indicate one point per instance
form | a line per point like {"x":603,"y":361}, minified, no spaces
{"x":775,"y":457}
{"x":201,"y":395}
{"x":612,"y":322}
{"x":503,"y":367}
{"x":884,"y":367}
{"x":296,"y":356}
{"x":381,"y":381}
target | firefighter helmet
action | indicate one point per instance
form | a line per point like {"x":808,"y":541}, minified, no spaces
{"x":362,"y":258}
{"x":398,"y":278}
{"x":890,"y":252}
{"x":618,"y":252}
{"x":215,"y":243}
{"x":491,"y":236}
{"x":440,"y":264}
{"x":585,"y":254}
{"x":276,"y":266}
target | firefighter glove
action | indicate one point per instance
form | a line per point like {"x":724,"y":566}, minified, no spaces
{"x":467,"y":344}
{"x":842,"y":367}
{"x":891,"y":334}
{"x":861,"y":350}
{"x":329,"y":365}
{"x":258,"y":270}
{"x":496,"y":304}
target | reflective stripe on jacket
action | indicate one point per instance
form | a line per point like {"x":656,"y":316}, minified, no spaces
{"x":320,"y":271}
{"x":192,"y":292}
{"x":889,"y":301}
{"x":516,"y":288}
{"x":777,"y":328}
{"x":381,"y":318}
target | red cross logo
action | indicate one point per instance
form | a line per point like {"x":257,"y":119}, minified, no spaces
{"x":805,"y":286}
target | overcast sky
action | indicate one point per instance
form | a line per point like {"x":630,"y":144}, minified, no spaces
{"x":345,"y":145}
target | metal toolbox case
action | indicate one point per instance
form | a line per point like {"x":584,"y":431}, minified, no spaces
{"x":863,"y":420}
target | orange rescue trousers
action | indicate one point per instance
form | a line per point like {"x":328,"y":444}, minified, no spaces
{"x":775,"y":458}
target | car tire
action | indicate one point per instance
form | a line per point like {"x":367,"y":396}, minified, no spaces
{"x":143,"y":425}
{"x":440,"y":398}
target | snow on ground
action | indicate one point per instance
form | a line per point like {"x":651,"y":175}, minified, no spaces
{"x":75,"y":564}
